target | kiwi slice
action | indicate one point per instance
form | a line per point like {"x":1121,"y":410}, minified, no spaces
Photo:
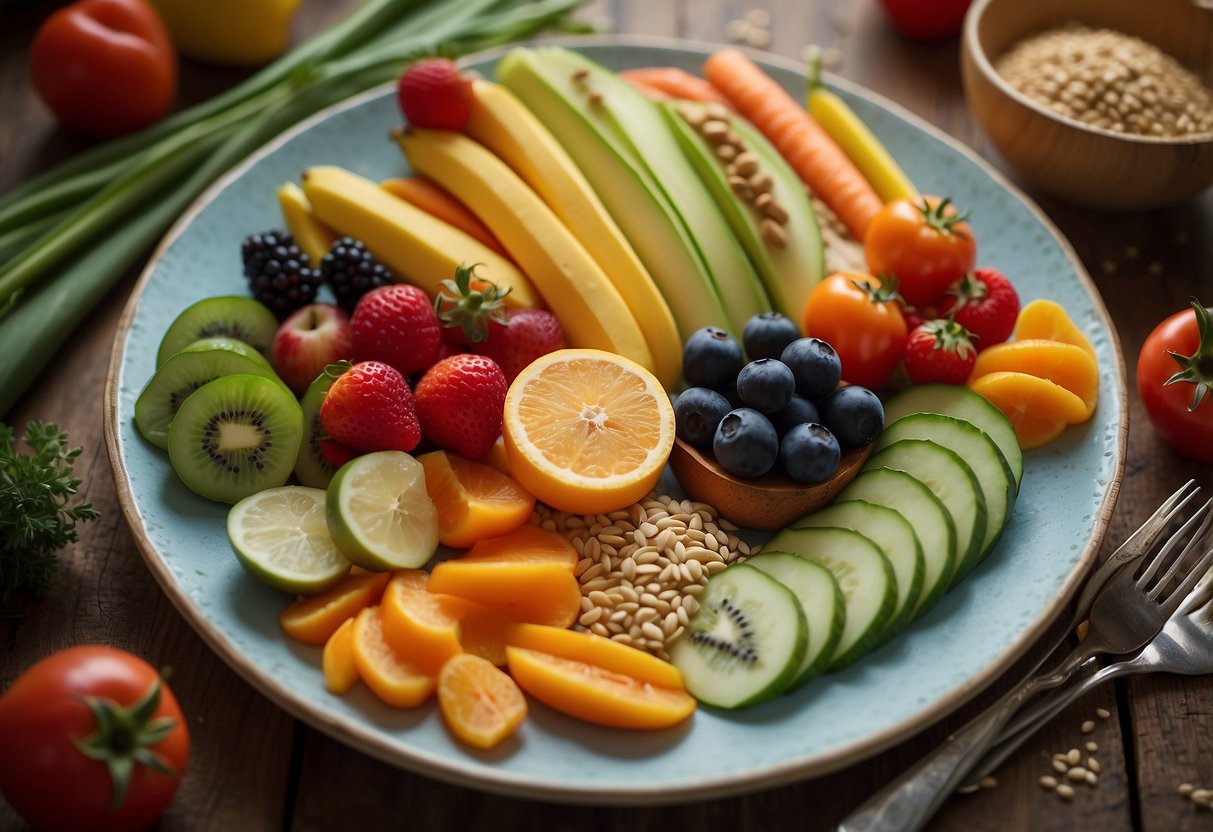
{"x":225,"y":316}
{"x":234,"y":436}
{"x":747,"y":641}
{"x":312,"y":469}
{"x":186,"y":371}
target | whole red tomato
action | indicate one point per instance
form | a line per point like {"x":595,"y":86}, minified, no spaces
{"x":926,"y":244}
{"x":104,"y":67}
{"x":858,"y":315}
{"x":62,"y":770}
{"x":927,"y":19}
{"x":1174,"y":377}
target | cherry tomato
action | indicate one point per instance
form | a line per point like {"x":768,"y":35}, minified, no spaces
{"x":104,"y":67}
{"x":927,"y":19}
{"x":927,"y":245}
{"x":1174,"y":377}
{"x":60,"y":768}
{"x":858,"y":315}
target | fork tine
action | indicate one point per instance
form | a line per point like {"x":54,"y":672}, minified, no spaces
{"x":1185,"y":588}
{"x":1200,"y":602}
{"x":1164,"y":553}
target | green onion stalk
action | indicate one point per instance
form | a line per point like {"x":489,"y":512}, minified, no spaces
{"x":68,"y":235}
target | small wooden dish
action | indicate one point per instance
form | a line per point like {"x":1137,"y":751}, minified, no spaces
{"x":767,"y":503}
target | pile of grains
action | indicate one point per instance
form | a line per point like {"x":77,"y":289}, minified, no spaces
{"x":1109,"y":80}
{"x":643,"y":568}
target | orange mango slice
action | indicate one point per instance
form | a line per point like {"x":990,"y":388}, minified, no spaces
{"x":340,"y":669}
{"x":539,"y":593}
{"x":474,"y":500}
{"x":1047,"y":320}
{"x":609,"y":655}
{"x":392,"y":677}
{"x":314,"y":619}
{"x":526,"y":544}
{"x":1037,"y":408}
{"x":1065,"y":364}
{"x":423,"y":625}
{"x":595,"y":694}
{"x":482,"y":633}
{"x":480,"y":703}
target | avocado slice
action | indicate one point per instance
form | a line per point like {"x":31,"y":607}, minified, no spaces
{"x":790,"y":271}
{"x":655,"y":195}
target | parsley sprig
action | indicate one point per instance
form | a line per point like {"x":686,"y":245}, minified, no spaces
{"x":37,"y":516}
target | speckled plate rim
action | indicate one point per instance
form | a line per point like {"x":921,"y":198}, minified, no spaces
{"x":377,"y":744}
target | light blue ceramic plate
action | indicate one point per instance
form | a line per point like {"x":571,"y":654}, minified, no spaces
{"x":942,"y":660}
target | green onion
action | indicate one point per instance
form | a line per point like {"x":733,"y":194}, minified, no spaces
{"x":67,"y":236}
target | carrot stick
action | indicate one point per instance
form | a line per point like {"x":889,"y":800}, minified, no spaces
{"x":810,"y":151}
{"x":432,"y":199}
{"x":676,"y":83}
{"x":648,"y":89}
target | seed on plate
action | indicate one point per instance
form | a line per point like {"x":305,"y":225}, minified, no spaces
{"x":1060,"y":766}
{"x":1073,"y":756}
{"x":1077,"y":774}
{"x":590,"y":616}
{"x":1092,"y":778}
{"x":1094,"y":765}
{"x":1065,"y":791}
{"x":1048,"y":782}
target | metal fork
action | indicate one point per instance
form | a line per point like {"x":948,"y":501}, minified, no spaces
{"x":1126,"y":614}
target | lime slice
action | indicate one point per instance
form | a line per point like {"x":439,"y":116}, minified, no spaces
{"x":380,"y":514}
{"x":281,"y":536}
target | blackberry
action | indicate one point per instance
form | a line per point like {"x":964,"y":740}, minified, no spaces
{"x":352,"y":271}
{"x":257,"y":248}
{"x":282,"y":279}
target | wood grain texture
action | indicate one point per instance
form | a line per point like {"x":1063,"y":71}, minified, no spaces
{"x":255,"y":768}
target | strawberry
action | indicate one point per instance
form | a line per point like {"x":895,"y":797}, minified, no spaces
{"x":460,"y":401}
{"x":370,"y":408}
{"x":397,"y":325}
{"x":432,"y":93}
{"x":334,"y":453}
{"x":939,"y":350}
{"x":529,"y":334}
{"x":469,"y":312}
{"x":984,"y":302}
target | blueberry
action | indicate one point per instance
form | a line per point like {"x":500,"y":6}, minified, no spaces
{"x":797,"y":412}
{"x":815,"y":365}
{"x":766,"y":335}
{"x":746,"y":444}
{"x":711,"y":358}
{"x":697,"y":412}
{"x":809,"y":453}
{"x":766,"y":385}
{"x":853,"y":414}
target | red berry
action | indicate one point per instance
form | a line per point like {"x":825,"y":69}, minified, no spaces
{"x":432,"y":93}
{"x":460,"y":402}
{"x":529,"y":334}
{"x":984,"y":302}
{"x":939,"y":351}
{"x":334,"y":453}
{"x":370,"y":408}
{"x":469,"y":312}
{"x":397,"y":325}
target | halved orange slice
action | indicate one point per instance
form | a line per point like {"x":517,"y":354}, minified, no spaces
{"x":1047,"y":319}
{"x":480,"y":703}
{"x":1066,"y":364}
{"x":474,"y":501}
{"x":1037,"y":409}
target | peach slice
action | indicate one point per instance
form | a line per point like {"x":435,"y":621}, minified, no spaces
{"x":539,"y":593}
{"x":526,"y":544}
{"x":314,"y":619}
{"x":613,"y":656}
{"x":395,"y":679}
{"x":1065,"y":364}
{"x":480,"y":703}
{"x":474,"y":501}
{"x":340,"y":669}
{"x":1048,"y":320}
{"x":1037,"y":409}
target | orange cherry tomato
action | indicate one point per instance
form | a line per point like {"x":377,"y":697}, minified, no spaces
{"x":104,"y":67}
{"x":927,"y":245}
{"x":858,"y":315}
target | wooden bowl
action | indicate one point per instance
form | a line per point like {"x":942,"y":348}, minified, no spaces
{"x":766,"y":503}
{"x":1082,"y":164}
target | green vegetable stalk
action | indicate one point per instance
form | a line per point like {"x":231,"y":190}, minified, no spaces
{"x":67,"y":236}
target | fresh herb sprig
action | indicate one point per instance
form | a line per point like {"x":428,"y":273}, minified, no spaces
{"x":37,"y":513}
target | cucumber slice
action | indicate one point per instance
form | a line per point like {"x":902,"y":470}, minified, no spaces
{"x":869,"y":588}
{"x":746,"y":643}
{"x":932,"y":524}
{"x":820,"y":597}
{"x":978,"y":451}
{"x":963,"y":403}
{"x":894,"y":535}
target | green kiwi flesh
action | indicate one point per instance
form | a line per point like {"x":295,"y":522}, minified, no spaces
{"x":186,"y":371}
{"x":224,"y":316}
{"x":234,"y":436}
{"x":312,"y":469}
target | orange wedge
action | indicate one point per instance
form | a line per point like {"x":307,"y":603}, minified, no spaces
{"x":340,"y":669}
{"x":539,"y":593}
{"x":424,"y":625}
{"x":474,"y":501}
{"x":1038,"y":409}
{"x":587,"y":431}
{"x":481,"y":704}
{"x":593,"y":649}
{"x":391,"y":676}
{"x":1046,"y":319}
{"x":1066,"y":364}
{"x":315,"y":618}
{"x":526,"y":544}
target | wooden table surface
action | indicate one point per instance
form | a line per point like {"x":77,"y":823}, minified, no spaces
{"x":254,"y":767}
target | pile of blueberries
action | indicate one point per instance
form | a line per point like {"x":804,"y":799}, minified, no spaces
{"x":783,"y":407}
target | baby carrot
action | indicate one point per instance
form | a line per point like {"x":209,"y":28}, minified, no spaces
{"x":810,"y":151}
{"x":676,"y":83}
{"x":432,"y":199}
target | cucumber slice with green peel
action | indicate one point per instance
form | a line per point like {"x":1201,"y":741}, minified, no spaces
{"x":978,"y":451}
{"x":932,"y":524}
{"x":953,"y":482}
{"x":183,"y":373}
{"x":746,"y":642}
{"x":822,"y":601}
{"x":863,"y":573}
{"x":894,"y":535}
{"x":962,"y":403}
{"x":224,"y":316}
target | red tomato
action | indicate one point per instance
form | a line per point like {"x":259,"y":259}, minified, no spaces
{"x":1174,"y":377}
{"x":56,"y":786}
{"x":860,"y":318}
{"x":927,"y":19}
{"x":104,"y":67}
{"x":927,"y":245}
